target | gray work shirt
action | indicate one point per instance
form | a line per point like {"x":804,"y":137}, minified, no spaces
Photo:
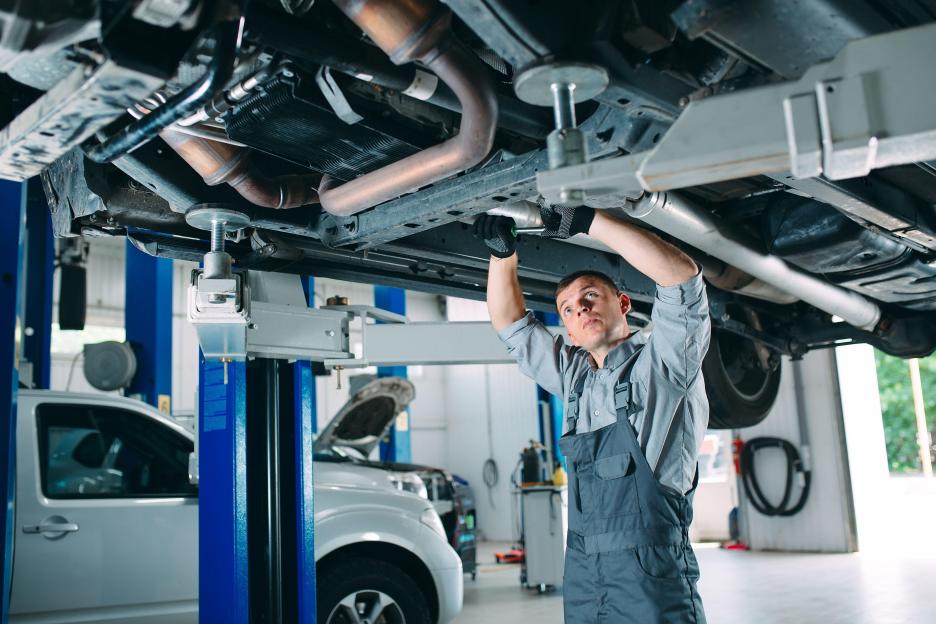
{"x":667,"y":381}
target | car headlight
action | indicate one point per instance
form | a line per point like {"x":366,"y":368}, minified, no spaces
{"x":431,"y":519}
{"x":408,"y":482}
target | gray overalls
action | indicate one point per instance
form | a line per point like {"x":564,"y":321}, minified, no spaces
{"x":632,"y":452}
{"x":628,"y":557}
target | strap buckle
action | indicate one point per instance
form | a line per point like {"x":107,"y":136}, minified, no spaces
{"x":622,"y":397}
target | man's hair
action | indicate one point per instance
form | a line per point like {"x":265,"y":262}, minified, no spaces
{"x":598,"y":275}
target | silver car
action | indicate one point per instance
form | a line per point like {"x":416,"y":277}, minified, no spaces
{"x":107,"y":525}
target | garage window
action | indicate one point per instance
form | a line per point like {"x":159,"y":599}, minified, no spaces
{"x":89,"y":451}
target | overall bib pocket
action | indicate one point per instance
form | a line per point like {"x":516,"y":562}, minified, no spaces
{"x":615,"y":485}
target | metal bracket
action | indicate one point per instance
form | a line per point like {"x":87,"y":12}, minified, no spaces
{"x":334,"y":96}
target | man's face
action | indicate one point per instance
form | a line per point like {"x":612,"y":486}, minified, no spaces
{"x":593,"y":313}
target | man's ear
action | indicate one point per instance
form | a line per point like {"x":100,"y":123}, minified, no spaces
{"x":625,"y":303}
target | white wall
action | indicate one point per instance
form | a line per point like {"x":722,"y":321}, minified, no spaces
{"x":492,"y":413}
{"x":105,"y":321}
{"x":184,"y":343}
{"x":826,"y":523}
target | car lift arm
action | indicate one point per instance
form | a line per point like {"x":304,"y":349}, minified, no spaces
{"x":868,"y":108}
{"x":265,"y":316}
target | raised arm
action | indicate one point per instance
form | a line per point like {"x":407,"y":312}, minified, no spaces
{"x":681,"y":326}
{"x":648,"y":253}
{"x":540,"y":355}
{"x":504,"y":297}
{"x":680,"y":311}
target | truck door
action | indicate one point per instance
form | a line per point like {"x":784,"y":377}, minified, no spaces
{"x":106,"y":519}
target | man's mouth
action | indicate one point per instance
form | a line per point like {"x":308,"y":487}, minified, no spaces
{"x":590,"y":322}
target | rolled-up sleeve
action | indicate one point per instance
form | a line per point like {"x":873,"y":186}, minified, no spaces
{"x":540,"y":355}
{"x":681,"y":329}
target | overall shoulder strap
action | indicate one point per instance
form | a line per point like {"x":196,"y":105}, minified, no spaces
{"x":623,"y":391}
{"x":573,"y":404}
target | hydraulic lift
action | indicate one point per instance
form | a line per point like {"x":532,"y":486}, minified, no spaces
{"x":255,"y":426}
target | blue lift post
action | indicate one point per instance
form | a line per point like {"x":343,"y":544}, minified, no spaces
{"x":255,"y":516}
{"x":13,"y":226}
{"x":148,"y":321}
{"x":398,"y":448}
{"x":556,"y":407}
{"x":306,"y":424}
{"x":40,"y":256}
{"x":222,"y":493}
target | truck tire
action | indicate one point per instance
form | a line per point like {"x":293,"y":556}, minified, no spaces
{"x":740,"y":391}
{"x":372,"y":587}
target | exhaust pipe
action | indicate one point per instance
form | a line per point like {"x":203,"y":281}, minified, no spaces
{"x":733,"y":279}
{"x":221,"y":163}
{"x":409,"y":31}
{"x":679,"y":217}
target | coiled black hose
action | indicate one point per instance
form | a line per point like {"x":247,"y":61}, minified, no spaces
{"x":794,"y":465}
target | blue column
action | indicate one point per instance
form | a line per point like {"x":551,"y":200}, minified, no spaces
{"x":222,"y":504}
{"x":398,"y":448}
{"x":13,"y":227}
{"x":556,"y":405}
{"x":148,"y":320}
{"x":40,"y":251}
{"x":306,"y":425}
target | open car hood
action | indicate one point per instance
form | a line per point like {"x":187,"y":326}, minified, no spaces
{"x":368,"y":414}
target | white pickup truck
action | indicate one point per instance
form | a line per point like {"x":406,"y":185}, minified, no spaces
{"x":106,"y":525}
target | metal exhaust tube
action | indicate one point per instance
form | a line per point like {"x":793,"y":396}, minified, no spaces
{"x":220,"y":163}
{"x":408,"y":31}
{"x":682,"y":219}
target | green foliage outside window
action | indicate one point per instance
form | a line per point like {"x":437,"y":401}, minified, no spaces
{"x":900,"y":435}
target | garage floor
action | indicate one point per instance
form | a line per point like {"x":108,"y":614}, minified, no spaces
{"x":745,"y":587}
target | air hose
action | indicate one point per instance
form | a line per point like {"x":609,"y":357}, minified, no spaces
{"x":794,"y":466}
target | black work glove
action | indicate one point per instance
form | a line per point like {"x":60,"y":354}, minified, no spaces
{"x":498,"y":233}
{"x":566,"y":221}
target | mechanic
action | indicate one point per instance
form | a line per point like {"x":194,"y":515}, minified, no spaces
{"x":636,"y":413}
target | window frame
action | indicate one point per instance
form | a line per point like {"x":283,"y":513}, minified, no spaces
{"x":48,"y":413}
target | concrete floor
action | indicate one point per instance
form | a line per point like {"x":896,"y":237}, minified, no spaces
{"x":744,"y":587}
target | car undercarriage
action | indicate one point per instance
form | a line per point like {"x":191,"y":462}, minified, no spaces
{"x":360,"y":138}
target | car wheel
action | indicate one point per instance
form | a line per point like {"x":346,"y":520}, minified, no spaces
{"x":358,"y":590}
{"x":740,"y":391}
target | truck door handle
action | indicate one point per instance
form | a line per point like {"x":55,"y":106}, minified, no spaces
{"x":55,"y":524}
